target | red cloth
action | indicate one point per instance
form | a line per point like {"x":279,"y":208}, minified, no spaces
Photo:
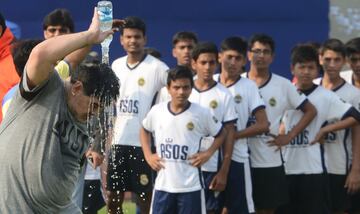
{"x":8,"y":74}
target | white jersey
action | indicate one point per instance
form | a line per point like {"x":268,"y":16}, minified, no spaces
{"x":163,"y":95}
{"x":219,"y":101}
{"x":137,"y":90}
{"x":347,"y":76}
{"x":177,"y":137}
{"x":247,"y":101}
{"x":301,"y":157}
{"x":279,"y":95}
{"x":338,"y":146}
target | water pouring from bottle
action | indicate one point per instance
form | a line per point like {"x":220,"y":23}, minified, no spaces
{"x":105,"y":9}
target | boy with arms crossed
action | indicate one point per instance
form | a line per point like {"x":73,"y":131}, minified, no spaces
{"x":353,"y":77}
{"x":178,"y":127}
{"x":304,"y":161}
{"x":339,"y":145}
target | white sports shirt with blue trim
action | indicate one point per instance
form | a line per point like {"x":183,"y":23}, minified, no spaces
{"x":279,"y":95}
{"x":247,"y":101}
{"x":219,"y":101}
{"x":177,"y":137}
{"x":300,"y":156}
{"x":137,"y":90}
{"x":338,"y":146}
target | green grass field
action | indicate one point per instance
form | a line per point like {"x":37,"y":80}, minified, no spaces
{"x":128,"y":208}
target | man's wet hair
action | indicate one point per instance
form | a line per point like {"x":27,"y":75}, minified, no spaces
{"x":263,"y":39}
{"x":335,"y":45}
{"x":204,"y":47}
{"x":180,"y":72}
{"x":98,"y":80}
{"x":234,"y":43}
{"x":303,"y":53}
{"x":20,"y":51}
{"x":60,"y":17}
{"x":184,"y":35}
{"x":133,"y":22}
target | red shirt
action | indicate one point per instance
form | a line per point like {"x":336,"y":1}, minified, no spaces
{"x":8,"y":74}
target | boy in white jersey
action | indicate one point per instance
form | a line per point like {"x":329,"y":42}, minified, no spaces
{"x":279,"y":95}
{"x":343,"y":179}
{"x":215,"y":97}
{"x":304,"y":160}
{"x":353,"y":77}
{"x":238,"y":191}
{"x":353,"y":59}
{"x":178,"y":126}
{"x":183,"y":43}
{"x":141,"y":77}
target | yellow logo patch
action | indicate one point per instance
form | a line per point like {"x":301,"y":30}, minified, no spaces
{"x":190,"y":126}
{"x":144,"y":180}
{"x":237,"y":98}
{"x":141,"y":81}
{"x":272,"y":102}
{"x":213,"y":104}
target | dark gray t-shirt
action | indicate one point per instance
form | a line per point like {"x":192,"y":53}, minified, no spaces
{"x":41,"y":146}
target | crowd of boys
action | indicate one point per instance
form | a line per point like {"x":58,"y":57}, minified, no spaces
{"x":205,"y":136}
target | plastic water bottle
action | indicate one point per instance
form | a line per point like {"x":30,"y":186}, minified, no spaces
{"x":105,"y":9}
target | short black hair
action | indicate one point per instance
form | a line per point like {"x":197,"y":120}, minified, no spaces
{"x":263,"y":39}
{"x":20,"y":51}
{"x":184,"y":35}
{"x":335,"y":45}
{"x":302,"y":53}
{"x":98,"y":80}
{"x":3,"y":24}
{"x":353,"y":46}
{"x":235,"y":43}
{"x":59,"y":16}
{"x":180,"y":72}
{"x":153,"y":52}
{"x":204,"y":47}
{"x":133,"y":22}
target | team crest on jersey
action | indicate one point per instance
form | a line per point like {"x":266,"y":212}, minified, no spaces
{"x":141,"y":81}
{"x":272,"y":102}
{"x":237,"y":98}
{"x":169,"y":140}
{"x":190,"y":126}
{"x":213,"y":104}
{"x":144,"y":180}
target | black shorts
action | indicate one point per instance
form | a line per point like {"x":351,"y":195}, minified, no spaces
{"x":340,"y":200}
{"x":128,"y":170}
{"x":308,"y":194}
{"x":355,"y":203}
{"x":269,"y":187}
{"x":92,"y":198}
{"x":211,"y":197}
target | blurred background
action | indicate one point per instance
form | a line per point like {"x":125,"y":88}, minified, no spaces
{"x":288,"y":22}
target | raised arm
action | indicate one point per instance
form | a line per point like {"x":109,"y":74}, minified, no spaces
{"x":76,"y":57}
{"x":45,"y":55}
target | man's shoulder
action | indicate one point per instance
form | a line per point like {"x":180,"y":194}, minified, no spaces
{"x":150,"y":60}
{"x":347,"y":75}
